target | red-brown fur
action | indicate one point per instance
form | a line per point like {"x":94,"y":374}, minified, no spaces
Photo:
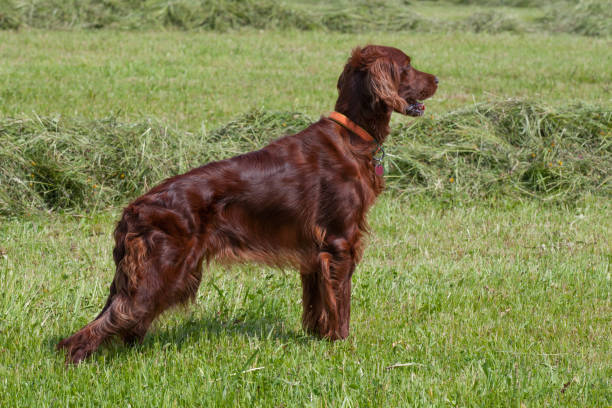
{"x":300,"y":201}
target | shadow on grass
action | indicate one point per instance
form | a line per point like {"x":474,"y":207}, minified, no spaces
{"x":211,"y":325}
{"x":190,"y":331}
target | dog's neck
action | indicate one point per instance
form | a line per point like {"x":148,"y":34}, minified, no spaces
{"x":374,"y":121}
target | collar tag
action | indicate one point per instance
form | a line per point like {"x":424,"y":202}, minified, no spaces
{"x":379,"y":169}
{"x":378,"y":166}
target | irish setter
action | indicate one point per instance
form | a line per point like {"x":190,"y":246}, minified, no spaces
{"x":300,"y":201}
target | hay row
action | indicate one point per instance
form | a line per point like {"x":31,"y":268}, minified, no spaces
{"x":511,"y":148}
{"x":585,"y":17}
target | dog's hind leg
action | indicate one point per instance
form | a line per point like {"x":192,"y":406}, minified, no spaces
{"x":147,"y":282}
{"x":121,"y":312}
{"x":109,"y":300}
{"x":117,"y":317}
{"x":179,"y":283}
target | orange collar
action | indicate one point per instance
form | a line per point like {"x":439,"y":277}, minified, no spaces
{"x":352,"y":126}
{"x":362,"y":133}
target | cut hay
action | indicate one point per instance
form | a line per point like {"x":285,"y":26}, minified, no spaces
{"x":213,"y":15}
{"x":510,"y":148}
{"x":70,"y":164}
{"x":587,"y":17}
{"x":513,"y":148}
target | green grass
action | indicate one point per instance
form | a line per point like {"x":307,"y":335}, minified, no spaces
{"x":497,"y":301}
{"x":493,"y":304}
{"x":196,"y":80}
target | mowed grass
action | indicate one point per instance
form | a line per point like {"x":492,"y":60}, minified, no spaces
{"x":496,"y":304}
{"x":194,"y":80}
{"x":505,"y":302}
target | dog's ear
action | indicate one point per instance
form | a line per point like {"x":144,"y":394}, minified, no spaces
{"x":383,"y":79}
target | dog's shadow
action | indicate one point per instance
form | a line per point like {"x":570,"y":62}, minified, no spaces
{"x":191,"y":329}
{"x":211,"y":325}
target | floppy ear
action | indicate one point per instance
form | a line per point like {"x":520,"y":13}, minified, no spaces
{"x":383,"y":82}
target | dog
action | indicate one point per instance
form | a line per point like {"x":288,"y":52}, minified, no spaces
{"x":301,"y":201}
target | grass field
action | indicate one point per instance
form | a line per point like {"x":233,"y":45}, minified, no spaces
{"x":190,"y":80}
{"x":495,"y":304}
{"x":460,"y":300}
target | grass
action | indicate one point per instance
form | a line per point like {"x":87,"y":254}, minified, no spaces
{"x":192,"y":81}
{"x":511,"y":148}
{"x":462,"y":299}
{"x":493,"y":304}
{"x":587,"y":17}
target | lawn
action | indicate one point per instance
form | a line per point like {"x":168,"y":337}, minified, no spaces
{"x":459,"y":301}
{"x":194,"y":80}
{"x":494,"y":304}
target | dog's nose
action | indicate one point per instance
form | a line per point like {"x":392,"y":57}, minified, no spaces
{"x":436,"y":79}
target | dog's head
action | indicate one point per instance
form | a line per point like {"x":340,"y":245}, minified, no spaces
{"x":385,"y":76}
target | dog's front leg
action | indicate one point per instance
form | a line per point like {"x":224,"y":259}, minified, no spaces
{"x":341,"y":268}
{"x":343,"y":296}
{"x":326,"y":291}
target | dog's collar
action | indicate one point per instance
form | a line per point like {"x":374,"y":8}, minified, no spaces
{"x":352,"y":126}
{"x":342,"y":120}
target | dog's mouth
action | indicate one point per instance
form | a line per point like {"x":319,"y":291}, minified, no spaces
{"x":415,"y":108}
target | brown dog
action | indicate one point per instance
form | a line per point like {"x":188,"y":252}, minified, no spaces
{"x":300,"y":201}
